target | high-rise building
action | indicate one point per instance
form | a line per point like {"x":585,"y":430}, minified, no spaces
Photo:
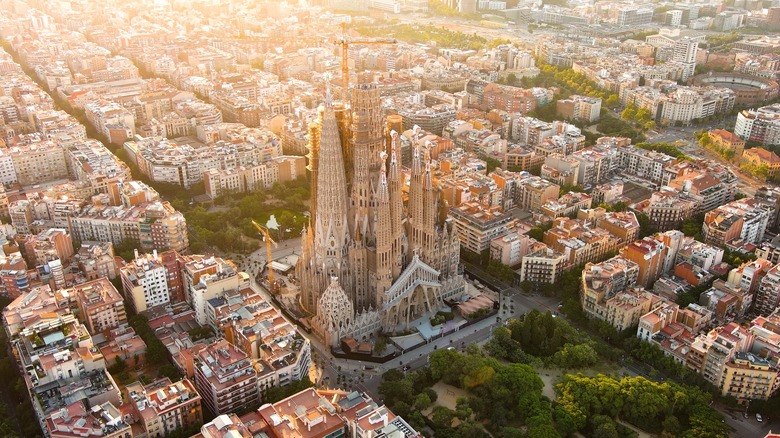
{"x":684,"y":52}
{"x":357,"y":242}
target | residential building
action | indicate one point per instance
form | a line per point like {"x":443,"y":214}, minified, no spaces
{"x":749,"y":377}
{"x":760,"y":125}
{"x":164,"y":407}
{"x":209,"y":277}
{"x":649,"y":255}
{"x":100,"y":305}
{"x":476,"y":224}
{"x":744,"y":219}
{"x":152,"y":225}
{"x":579,"y":108}
{"x":144,"y":282}
{"x":603,"y":281}
{"x":541,"y":265}
{"x":623,"y":225}
{"x":510,"y":248}
{"x":625,"y":309}
{"x":580,"y":243}
{"x":280,"y":354}
{"x":767,"y":296}
{"x":699,"y":254}
{"x":74,"y":421}
{"x":667,"y":209}
{"x":225,"y":378}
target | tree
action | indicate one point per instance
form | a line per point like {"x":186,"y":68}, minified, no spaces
{"x":442,"y":417}
{"x":576,"y":356}
{"x":649,"y":126}
{"x":643,"y":116}
{"x":629,"y":114}
{"x":612,"y":101}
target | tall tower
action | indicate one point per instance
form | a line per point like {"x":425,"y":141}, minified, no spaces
{"x":396,"y":206}
{"x":315,"y":129}
{"x":416,"y":196}
{"x":331,"y":236}
{"x":367,"y":141}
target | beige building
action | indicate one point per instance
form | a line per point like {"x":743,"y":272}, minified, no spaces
{"x":603,"y":281}
{"x":625,"y":309}
{"x":476,"y":224}
{"x":747,"y":376}
{"x":38,"y":162}
{"x":100,"y":305}
{"x":541,"y":265}
{"x":164,"y":407}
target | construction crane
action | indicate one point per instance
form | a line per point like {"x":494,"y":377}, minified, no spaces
{"x":268,"y":242}
{"x":344,"y":43}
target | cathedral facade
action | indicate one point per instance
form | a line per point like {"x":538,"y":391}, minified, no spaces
{"x":369,"y":263}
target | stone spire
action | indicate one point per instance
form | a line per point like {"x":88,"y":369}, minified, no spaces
{"x":384,"y":233}
{"x":331,"y":231}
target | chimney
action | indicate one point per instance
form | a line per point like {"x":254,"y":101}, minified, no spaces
{"x":135,"y":252}
{"x":154,"y":254}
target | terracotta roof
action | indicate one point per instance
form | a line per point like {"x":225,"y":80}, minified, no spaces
{"x":764,"y":155}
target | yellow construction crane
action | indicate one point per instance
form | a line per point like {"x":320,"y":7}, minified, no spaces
{"x":268,"y":242}
{"x":344,"y":43}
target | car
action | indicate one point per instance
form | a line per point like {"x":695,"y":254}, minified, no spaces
{"x":759,"y":418}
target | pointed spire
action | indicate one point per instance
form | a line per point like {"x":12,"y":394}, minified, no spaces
{"x":428,"y":177}
{"x":416,"y":159}
{"x":328,"y":97}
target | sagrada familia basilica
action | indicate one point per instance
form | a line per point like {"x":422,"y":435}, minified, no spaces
{"x":369,"y":263}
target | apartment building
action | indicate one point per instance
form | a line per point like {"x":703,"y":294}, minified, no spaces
{"x":163,"y":406}
{"x":699,"y":254}
{"x":52,"y":244}
{"x":510,"y":248}
{"x":649,"y":255}
{"x":206,"y":278}
{"x":622,"y":224}
{"x":748,"y":376}
{"x":184,"y":160}
{"x":767,"y":296}
{"x":580,"y":243}
{"x":533,"y":192}
{"x":111,"y":120}
{"x":476,"y":224}
{"x":225,"y":378}
{"x":744,"y":219}
{"x":74,"y":421}
{"x":280,"y":353}
{"x":153,"y":225}
{"x":603,"y":281}
{"x":582,"y":108}
{"x":760,"y":125}
{"x":35,"y":162}
{"x":248,"y":179}
{"x":541,"y":265}
{"x":625,"y":309}
{"x":145,"y":282}
{"x":643,"y":163}
{"x":667,"y":209}
{"x":100,"y":305}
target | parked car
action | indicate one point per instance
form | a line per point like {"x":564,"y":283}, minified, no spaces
{"x":759,"y":418}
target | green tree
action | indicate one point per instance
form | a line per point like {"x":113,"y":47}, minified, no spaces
{"x":612,"y":101}
{"x":629,"y":114}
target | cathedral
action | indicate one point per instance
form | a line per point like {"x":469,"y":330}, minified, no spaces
{"x":369,"y":263}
